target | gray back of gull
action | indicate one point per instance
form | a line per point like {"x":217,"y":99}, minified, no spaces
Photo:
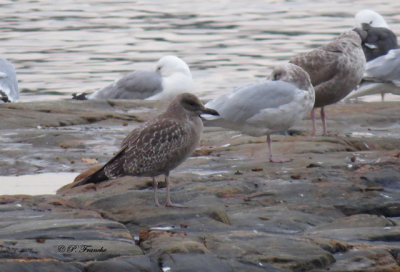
{"x":135,"y":85}
{"x":245,"y":102}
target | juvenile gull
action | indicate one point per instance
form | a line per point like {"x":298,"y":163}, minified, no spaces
{"x":8,"y":82}
{"x":158,"y":146}
{"x":170,"y":78}
{"x":267,"y":107}
{"x":382,"y":75}
{"x":335,"y":70}
{"x":378,"y":38}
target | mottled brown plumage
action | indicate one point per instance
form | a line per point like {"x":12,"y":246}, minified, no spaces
{"x":159,"y":145}
{"x":335,"y":70}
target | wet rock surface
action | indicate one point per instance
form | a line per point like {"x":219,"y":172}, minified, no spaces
{"x":334,"y":207}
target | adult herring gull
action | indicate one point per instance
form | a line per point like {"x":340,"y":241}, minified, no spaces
{"x":266,"y":107}
{"x":8,"y":82}
{"x":171,"y":77}
{"x":335,"y":70}
{"x":382,"y":75}
{"x":158,"y":146}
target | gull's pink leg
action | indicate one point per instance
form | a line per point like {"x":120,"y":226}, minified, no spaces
{"x":271,"y":159}
{"x":323,"y":118}
{"x":314,"y":129}
{"x":155,"y":185}
{"x":169,"y":203}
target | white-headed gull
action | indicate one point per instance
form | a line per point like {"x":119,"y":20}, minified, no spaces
{"x":171,"y":77}
{"x":266,"y":107}
{"x":378,"y":38}
{"x":8,"y":82}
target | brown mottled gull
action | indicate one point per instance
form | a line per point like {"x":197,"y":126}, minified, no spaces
{"x":335,"y":70}
{"x":266,"y":107}
{"x":158,"y":146}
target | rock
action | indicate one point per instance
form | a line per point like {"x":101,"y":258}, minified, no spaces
{"x":34,"y":234}
{"x":243,"y":213}
{"x":220,"y":215}
{"x":260,"y":248}
{"x":270,"y":219}
{"x":372,"y":260}
{"x":372,"y":206}
{"x":388,"y":178}
{"x":169,"y":245}
{"x":357,"y":221}
{"x":124,"y":264}
{"x":45,"y":265}
{"x":208,"y":262}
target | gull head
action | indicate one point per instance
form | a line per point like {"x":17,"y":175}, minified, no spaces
{"x":193,"y":106}
{"x":292,"y":73}
{"x":190,"y":105}
{"x":370,"y":17}
{"x":169,"y":65}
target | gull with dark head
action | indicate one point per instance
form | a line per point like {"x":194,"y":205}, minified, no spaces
{"x":170,"y":77}
{"x":266,"y":107}
{"x":158,"y":146}
{"x":335,"y":70}
{"x":8,"y":82}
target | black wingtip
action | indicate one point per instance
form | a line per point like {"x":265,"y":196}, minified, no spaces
{"x":80,"y":96}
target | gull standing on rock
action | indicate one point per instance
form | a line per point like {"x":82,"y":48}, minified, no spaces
{"x":382,"y":75}
{"x":171,"y":77}
{"x":335,"y":70}
{"x":380,"y":45}
{"x":267,"y":107}
{"x":378,"y":38}
{"x":158,"y":146}
{"x":8,"y":82}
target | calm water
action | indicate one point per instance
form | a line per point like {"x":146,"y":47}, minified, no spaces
{"x":63,"y":47}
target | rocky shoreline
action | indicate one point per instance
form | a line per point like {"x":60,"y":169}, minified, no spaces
{"x":334,"y":207}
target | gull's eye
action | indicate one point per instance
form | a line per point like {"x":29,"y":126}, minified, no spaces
{"x":191,"y":103}
{"x":277,"y":76}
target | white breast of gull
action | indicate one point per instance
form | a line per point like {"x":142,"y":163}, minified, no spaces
{"x":8,"y":82}
{"x":158,"y":146}
{"x":266,"y":107}
{"x":171,"y":77}
{"x":335,"y":70}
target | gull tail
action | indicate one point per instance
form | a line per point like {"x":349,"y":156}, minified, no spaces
{"x":114,"y":170}
{"x":96,"y":177}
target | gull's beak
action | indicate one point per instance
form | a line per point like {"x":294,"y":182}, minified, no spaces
{"x":209,"y":111}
